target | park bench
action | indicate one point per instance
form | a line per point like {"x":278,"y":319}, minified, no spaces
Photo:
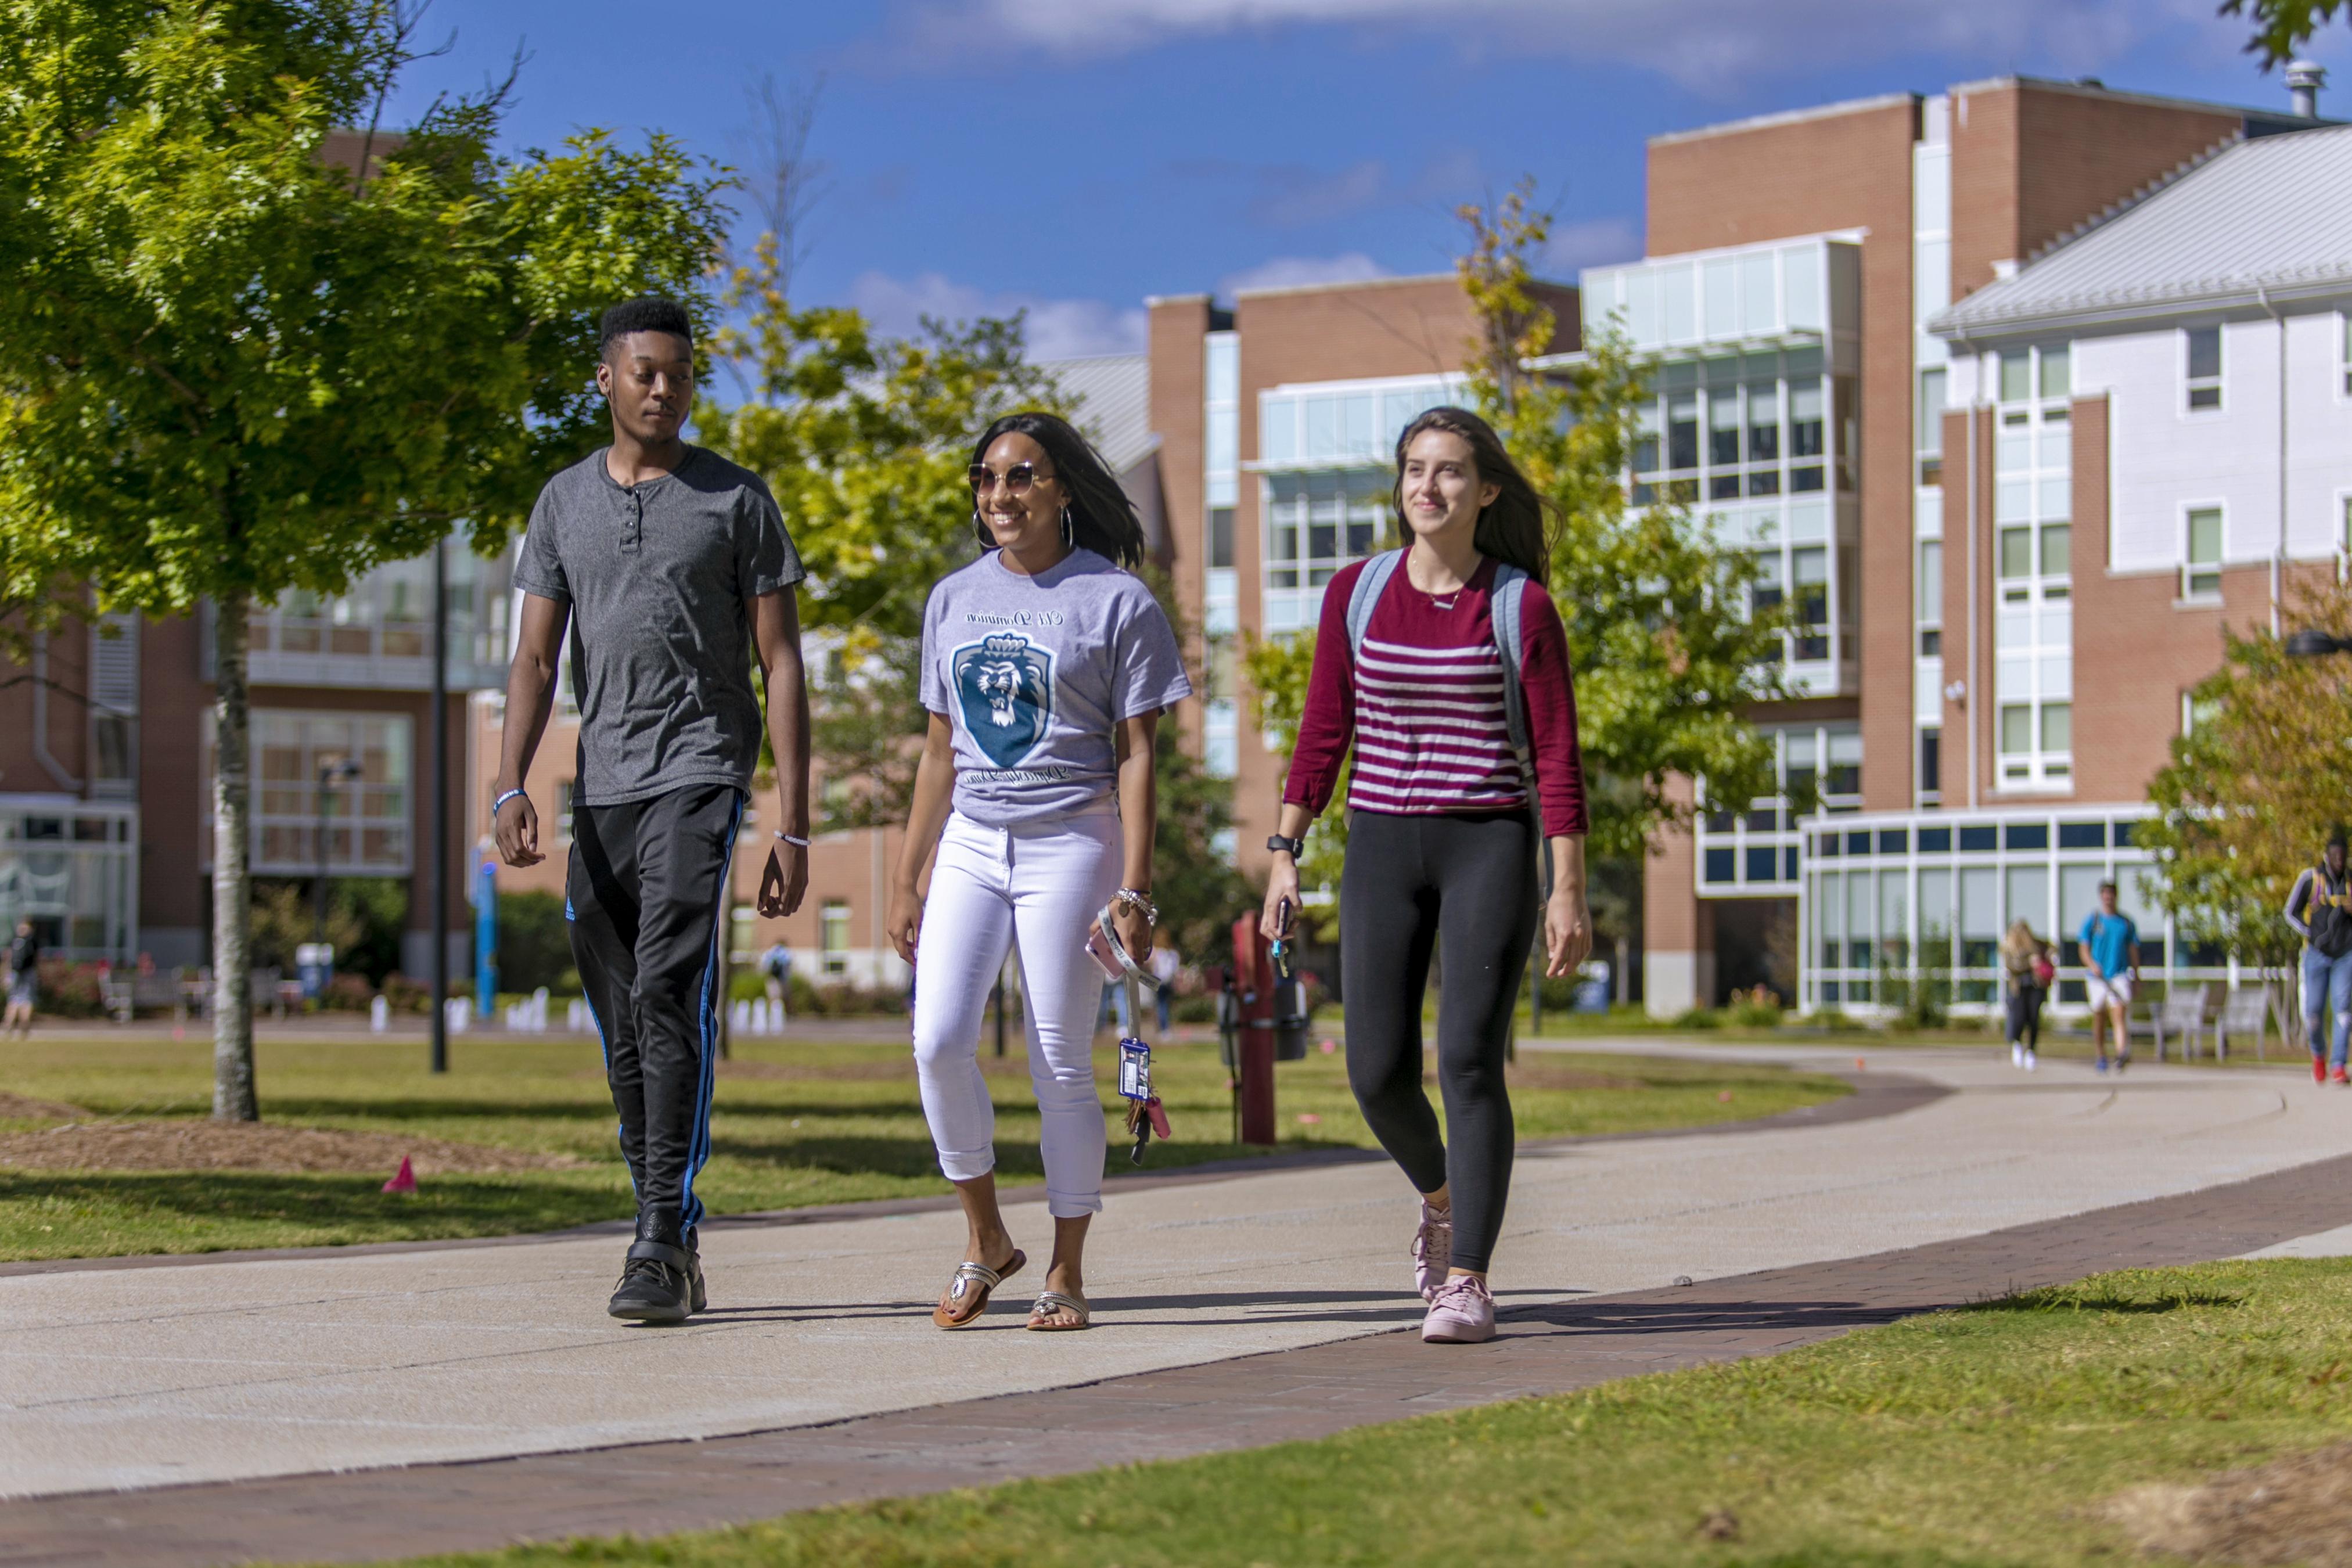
{"x":2244,"y":1011}
{"x":266,"y":990}
{"x":2180,"y":1015}
{"x":126,"y":993}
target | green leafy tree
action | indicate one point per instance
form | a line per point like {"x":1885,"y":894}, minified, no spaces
{"x":865,"y":440}
{"x":1669,"y":660}
{"x":2251,"y":792}
{"x":232,"y":365}
{"x":2282,"y":27}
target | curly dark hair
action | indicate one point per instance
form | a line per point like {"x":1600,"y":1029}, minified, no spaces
{"x":644,"y":315}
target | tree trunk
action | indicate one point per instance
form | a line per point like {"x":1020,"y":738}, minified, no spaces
{"x":232,"y":1095}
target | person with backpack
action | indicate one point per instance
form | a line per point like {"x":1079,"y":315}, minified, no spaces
{"x":2025,"y":959}
{"x":1446,"y":666}
{"x":2316,"y":908}
{"x":2109,"y":943}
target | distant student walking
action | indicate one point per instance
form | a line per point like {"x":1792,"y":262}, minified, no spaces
{"x":674,"y":569}
{"x":2026,"y":961}
{"x":2109,"y":944}
{"x":1047,"y":665}
{"x":2319,"y":908}
{"x":23,"y":980}
{"x":1446,"y":665}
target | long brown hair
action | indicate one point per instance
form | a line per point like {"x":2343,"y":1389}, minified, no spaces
{"x":1102,"y":518}
{"x":1511,"y":527}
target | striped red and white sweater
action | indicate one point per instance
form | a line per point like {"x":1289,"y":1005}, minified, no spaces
{"x":1424,"y":707}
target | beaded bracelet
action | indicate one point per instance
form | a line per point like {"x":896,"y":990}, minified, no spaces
{"x":1140,"y":900}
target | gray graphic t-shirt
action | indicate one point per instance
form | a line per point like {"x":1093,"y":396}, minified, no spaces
{"x":1035,"y":673}
{"x":659,"y":577}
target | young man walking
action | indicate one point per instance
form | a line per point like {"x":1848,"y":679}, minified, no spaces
{"x":2110,"y":950}
{"x":674,"y":570}
{"x":2317,"y":907}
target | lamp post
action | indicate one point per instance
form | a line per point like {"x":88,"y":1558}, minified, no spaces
{"x":330,"y":774}
{"x":436,"y":771}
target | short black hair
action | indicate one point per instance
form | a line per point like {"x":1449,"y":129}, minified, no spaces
{"x":643,"y":315}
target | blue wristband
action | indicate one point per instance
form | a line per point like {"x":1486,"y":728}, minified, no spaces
{"x":500,"y":805}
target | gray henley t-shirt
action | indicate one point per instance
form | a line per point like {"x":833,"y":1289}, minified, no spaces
{"x":659,"y":577}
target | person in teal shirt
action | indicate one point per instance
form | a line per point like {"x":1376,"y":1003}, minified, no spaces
{"x":2110,"y":949}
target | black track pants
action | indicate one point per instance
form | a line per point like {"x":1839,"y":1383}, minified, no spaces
{"x":643,"y":899}
{"x":1466,"y":886}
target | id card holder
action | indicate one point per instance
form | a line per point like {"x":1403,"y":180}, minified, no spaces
{"x":1134,"y":1070}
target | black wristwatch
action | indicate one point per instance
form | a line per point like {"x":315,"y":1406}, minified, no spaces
{"x":1294,"y":847}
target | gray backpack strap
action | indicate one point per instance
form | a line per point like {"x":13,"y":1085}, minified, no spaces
{"x":1506,"y":604}
{"x":1370,"y":583}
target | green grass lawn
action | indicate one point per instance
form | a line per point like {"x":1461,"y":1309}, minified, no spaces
{"x":793,"y":1124}
{"x":1993,"y":1436}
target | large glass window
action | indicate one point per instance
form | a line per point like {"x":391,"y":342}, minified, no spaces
{"x":1317,"y":522}
{"x":366,"y":815}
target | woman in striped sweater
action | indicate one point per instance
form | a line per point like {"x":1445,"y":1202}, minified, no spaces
{"x":1442,"y":833}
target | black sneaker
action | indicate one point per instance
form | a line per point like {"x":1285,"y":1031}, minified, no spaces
{"x":701,"y":1296}
{"x":657,"y":1276}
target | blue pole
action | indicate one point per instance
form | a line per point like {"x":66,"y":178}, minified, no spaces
{"x":486,"y":937}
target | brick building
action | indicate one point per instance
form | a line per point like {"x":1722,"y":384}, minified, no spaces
{"x":1795,"y":266}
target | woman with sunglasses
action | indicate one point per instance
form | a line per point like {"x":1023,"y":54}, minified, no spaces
{"x":1443,"y":835}
{"x":1045,"y":665}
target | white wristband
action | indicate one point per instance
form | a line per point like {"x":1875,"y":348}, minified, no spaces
{"x":796,"y":843}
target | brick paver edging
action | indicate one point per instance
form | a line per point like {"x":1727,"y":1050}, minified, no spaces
{"x":656,"y":1488}
{"x":1875,"y":1094}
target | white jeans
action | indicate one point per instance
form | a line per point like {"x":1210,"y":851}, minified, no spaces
{"x":1039,"y":884}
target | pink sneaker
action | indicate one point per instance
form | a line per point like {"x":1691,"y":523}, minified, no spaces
{"x":1433,"y":1250}
{"x":1460,"y":1314}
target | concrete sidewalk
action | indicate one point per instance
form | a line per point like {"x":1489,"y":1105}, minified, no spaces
{"x":142,"y":1376}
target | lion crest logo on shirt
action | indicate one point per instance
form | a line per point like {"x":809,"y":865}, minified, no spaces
{"x":1006,"y":685}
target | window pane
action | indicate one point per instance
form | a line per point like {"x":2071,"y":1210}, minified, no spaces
{"x":1221,"y":536}
{"x":2055,"y":378}
{"x":1763,"y":421}
{"x":2016,"y":552}
{"x":1931,"y":411}
{"x":1931,"y":582}
{"x":2205,"y":397}
{"x":1277,"y":440}
{"x":2016,"y":728}
{"x":2056,"y":548}
{"x":1805,"y":408}
{"x":2016,"y":378}
{"x":2205,"y":536}
{"x":2204,"y":352}
{"x":2029,"y":895}
{"x":1682,"y":432}
{"x":1322,"y":438}
{"x":1723,"y":427}
{"x":2057,"y":726}
{"x":1357,"y":434}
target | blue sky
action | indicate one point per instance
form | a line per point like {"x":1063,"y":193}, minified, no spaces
{"x":1074,"y":156}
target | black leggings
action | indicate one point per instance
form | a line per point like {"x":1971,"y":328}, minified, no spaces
{"x":2025,"y":1015}
{"x":1410,"y":883}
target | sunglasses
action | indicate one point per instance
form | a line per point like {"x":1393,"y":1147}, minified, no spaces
{"x":1017,"y":479}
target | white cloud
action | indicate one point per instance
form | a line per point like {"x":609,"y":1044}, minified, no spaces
{"x":1709,"y":45}
{"x":1595,"y":242}
{"x":1298,"y":271}
{"x":1058,"y":329}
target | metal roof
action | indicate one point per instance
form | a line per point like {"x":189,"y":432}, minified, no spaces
{"x":2263,"y":220}
{"x":1113,"y":394}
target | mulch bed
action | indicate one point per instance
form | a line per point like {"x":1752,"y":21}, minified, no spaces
{"x":23,"y":1108}
{"x":2296,"y":1509}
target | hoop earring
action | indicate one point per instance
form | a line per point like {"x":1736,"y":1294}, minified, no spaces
{"x":1069,"y":530}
